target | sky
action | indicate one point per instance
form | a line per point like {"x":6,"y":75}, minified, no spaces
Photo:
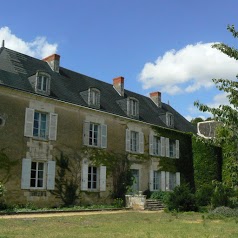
{"x":156,"y":45}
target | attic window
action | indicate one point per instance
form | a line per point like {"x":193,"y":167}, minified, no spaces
{"x":169,"y":119}
{"x":94,"y":97}
{"x":133,"y":107}
{"x":42,"y":83}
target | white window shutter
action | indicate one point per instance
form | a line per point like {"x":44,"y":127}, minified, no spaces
{"x":151,"y":142}
{"x":141,"y":142}
{"x":177,"y":178}
{"x":102,"y":181}
{"x":86,"y":133}
{"x":98,"y":99}
{"x":128,"y":140}
{"x":167,"y":187}
{"x":53,"y":126}
{"x":128,"y":107}
{"x":104,"y":136}
{"x":51,"y":175}
{"x":177,"y":149}
{"x":84,"y":175}
{"x":151,"y":180}
{"x":167,"y":147}
{"x":29,"y":120}
{"x":162,"y":146}
{"x":163,"y":180}
{"x":26,"y":173}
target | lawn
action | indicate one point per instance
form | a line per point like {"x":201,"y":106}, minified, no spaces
{"x":128,"y":224}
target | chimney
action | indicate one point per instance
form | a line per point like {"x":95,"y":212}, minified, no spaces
{"x":156,"y":98}
{"x":118,"y":84}
{"x":53,"y":61}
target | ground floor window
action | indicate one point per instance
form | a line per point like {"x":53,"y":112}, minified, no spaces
{"x":156,"y":180}
{"x":92,"y":177}
{"x":135,"y":185}
{"x":37,"y":175}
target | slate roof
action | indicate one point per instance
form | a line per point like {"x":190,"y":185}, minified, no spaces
{"x":16,"y":68}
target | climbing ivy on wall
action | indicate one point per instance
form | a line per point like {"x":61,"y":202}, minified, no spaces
{"x":207,"y":162}
{"x":185,"y":162}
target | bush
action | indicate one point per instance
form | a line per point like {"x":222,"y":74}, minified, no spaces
{"x":220,"y":212}
{"x":181,"y":199}
{"x":2,"y":190}
{"x":221,"y":195}
{"x":204,"y":194}
{"x":160,"y":195}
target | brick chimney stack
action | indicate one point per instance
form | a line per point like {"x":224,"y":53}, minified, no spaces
{"x":156,"y":98}
{"x":118,"y":84}
{"x":53,"y":61}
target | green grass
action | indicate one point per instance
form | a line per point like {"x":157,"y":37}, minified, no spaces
{"x":128,"y":224}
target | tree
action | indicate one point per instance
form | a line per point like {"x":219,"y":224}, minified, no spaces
{"x":227,"y":135}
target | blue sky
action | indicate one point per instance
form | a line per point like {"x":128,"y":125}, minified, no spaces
{"x":156,"y":45}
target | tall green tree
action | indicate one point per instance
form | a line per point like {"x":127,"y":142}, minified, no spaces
{"x":227,"y":135}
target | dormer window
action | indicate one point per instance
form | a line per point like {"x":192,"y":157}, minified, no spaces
{"x":169,"y":119}
{"x":94,"y":97}
{"x":42,"y":83}
{"x":133,"y":107}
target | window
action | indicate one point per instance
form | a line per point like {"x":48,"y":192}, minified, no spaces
{"x":40,"y":125}
{"x":134,"y":141}
{"x":132,"y":107}
{"x":42,"y":83}
{"x":93,"y":178}
{"x":135,"y":185}
{"x":169,"y":119}
{"x":38,"y":174}
{"x":163,"y":180}
{"x":156,"y":180}
{"x":156,"y":145}
{"x":94,"y":97}
{"x":172,"y":148}
{"x":95,"y":135}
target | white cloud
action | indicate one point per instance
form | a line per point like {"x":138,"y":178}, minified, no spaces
{"x":188,"y":69}
{"x":219,"y":99}
{"x":38,"y":48}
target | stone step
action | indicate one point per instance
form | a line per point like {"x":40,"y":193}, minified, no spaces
{"x":154,"y":205}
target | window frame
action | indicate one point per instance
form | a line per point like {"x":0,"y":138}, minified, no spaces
{"x":132,"y":107}
{"x":94,"y":97}
{"x":36,"y":178}
{"x":39,"y":128}
{"x":42,"y":84}
{"x":169,"y":119}
{"x":93,"y":174}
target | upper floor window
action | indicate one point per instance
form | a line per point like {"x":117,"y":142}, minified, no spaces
{"x":40,"y":125}
{"x":94,"y":97}
{"x":133,"y":107}
{"x":169,"y":119}
{"x":95,"y":134}
{"x":134,"y":141}
{"x":172,"y":148}
{"x":43,"y":83}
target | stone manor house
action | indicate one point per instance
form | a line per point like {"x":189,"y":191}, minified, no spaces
{"x":45,"y":109}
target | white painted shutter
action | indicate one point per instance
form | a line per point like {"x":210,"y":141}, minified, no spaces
{"x":51,"y":175}
{"x":167,"y":187}
{"x":84,"y":175}
{"x":53,"y":126}
{"x":162,"y":146}
{"x":104,"y":136}
{"x":162,"y":180}
{"x":151,"y":142}
{"x":167,"y":147}
{"x":128,"y":140}
{"x":141,"y":142}
{"x":26,"y":173}
{"x":103,"y":175}
{"x":177,"y":149}
{"x":177,"y":178}
{"x":128,"y":107}
{"x":29,"y":120}
{"x":151,"y":180}
{"x":86,"y":133}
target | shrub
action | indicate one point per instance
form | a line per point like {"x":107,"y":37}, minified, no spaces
{"x":221,"y":195}
{"x":220,"y":212}
{"x":203,"y":195}
{"x":160,"y":195}
{"x":2,"y":190}
{"x":181,"y":199}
